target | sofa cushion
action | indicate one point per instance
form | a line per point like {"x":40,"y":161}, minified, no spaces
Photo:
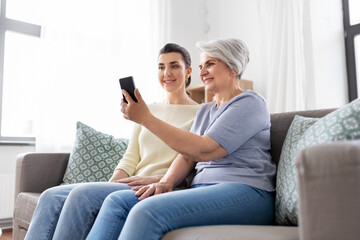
{"x":24,"y":208}
{"x":94,"y":156}
{"x":286,"y":198}
{"x":342,"y":124}
{"x":233,"y":232}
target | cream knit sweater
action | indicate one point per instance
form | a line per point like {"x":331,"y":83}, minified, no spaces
{"x":146,"y":154}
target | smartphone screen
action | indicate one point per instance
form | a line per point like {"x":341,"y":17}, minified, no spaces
{"x":128,"y":84}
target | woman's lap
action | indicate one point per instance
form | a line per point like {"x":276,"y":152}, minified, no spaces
{"x":57,"y":204}
{"x":225,"y":203}
{"x":229,"y":198}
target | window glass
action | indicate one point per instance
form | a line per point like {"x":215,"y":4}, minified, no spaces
{"x":354,"y":10}
{"x":93,"y":50}
{"x":357,"y":60}
{"x":20,"y":76}
{"x":29,"y":11}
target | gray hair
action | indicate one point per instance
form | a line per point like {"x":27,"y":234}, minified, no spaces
{"x":233,"y":52}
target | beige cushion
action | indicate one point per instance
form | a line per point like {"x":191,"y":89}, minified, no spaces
{"x":233,"y":232}
{"x":24,"y":208}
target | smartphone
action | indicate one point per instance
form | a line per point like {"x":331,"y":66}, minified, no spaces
{"x":128,"y":84}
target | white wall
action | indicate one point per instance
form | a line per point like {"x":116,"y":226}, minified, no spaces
{"x":202,"y":20}
{"x":8,"y":156}
{"x":191,"y":21}
{"x":186,"y":24}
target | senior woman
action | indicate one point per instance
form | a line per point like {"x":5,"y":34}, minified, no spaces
{"x":228,"y":145}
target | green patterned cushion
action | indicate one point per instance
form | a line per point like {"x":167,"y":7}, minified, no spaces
{"x":342,"y":124}
{"x":94,"y":157}
{"x":286,"y":196}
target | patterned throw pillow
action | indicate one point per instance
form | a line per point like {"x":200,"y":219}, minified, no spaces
{"x":342,"y":124}
{"x":286,"y":196}
{"x":94,"y":157}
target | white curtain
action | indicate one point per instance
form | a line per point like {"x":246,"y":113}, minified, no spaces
{"x":87,"y":46}
{"x":284,"y":64}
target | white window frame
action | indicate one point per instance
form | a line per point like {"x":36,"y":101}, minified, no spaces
{"x":29,"y":29}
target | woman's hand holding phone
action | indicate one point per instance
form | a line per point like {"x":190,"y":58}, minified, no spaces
{"x":128,"y":84}
{"x":135,"y":111}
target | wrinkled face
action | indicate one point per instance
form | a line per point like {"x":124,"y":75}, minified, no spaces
{"x":214,"y":73}
{"x":172,"y":72}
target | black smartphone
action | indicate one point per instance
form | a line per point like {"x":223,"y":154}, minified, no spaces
{"x":128,"y":84}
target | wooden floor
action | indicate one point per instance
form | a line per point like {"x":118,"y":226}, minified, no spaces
{"x":6,"y":234}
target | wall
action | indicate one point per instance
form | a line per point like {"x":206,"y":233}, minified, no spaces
{"x":8,"y":156}
{"x":191,"y":21}
{"x":202,"y":20}
{"x":186,"y":24}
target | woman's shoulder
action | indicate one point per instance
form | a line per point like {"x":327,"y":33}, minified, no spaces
{"x":249,"y":96}
{"x":251,"y":93}
{"x":208,"y":105}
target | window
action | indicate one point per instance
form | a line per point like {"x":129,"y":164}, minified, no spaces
{"x":352,"y":45}
{"x":18,"y":44}
{"x":67,"y":69}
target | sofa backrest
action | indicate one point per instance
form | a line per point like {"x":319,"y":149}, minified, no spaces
{"x":280,"y":123}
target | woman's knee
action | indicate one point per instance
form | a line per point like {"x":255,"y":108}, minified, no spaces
{"x":148,"y":216}
{"x":48,"y":194}
{"x":118,"y":200}
{"x":95,"y":192}
{"x":81,"y":194}
{"x":123,"y":198}
{"x":80,"y":190}
{"x":148,"y":209}
{"x":54,"y":193}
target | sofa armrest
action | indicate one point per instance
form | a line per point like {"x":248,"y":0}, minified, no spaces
{"x":35,"y":172}
{"x":328,"y":180}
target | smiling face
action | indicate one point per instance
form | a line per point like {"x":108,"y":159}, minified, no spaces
{"x":215,"y":74}
{"x":172,"y":72}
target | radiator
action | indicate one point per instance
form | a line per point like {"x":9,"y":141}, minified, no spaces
{"x":7,"y":191}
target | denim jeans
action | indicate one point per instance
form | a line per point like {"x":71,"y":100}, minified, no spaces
{"x":68,"y":211}
{"x":123,"y":217}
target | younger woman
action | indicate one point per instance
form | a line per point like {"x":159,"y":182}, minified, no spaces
{"x":68,"y":212}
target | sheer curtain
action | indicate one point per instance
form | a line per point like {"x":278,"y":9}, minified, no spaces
{"x":87,"y":46}
{"x":285,"y":73}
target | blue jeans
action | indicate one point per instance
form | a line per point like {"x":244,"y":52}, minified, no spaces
{"x":69,"y":211}
{"x":123,"y":217}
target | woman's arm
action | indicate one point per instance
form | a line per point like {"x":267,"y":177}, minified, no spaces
{"x":194,"y":147}
{"x":127,"y":165}
{"x":118,"y":174}
{"x":131,"y":157}
{"x":178,"y":171}
{"x":140,"y":180}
